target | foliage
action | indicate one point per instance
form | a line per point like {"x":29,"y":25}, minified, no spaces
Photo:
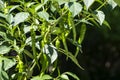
{"x":34,"y":33}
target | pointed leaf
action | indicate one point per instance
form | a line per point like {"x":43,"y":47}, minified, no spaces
{"x":64,"y":77}
{"x":51,"y":52}
{"x":44,"y":15}
{"x":8,"y":63}
{"x":20,"y":17}
{"x":46,"y":77}
{"x":112,"y":3}
{"x":100,"y":17}
{"x":72,"y":75}
{"x":88,"y":3}
{"x":13,"y":7}
{"x":75,"y":8}
{"x":10,"y":18}
{"x":4,"y":49}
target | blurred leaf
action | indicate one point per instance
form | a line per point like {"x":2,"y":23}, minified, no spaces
{"x":64,"y":77}
{"x":38,"y":6}
{"x":117,"y":1}
{"x":8,"y":63}
{"x":36,"y":78}
{"x":72,"y":75}
{"x":2,"y":15}
{"x":82,"y":33}
{"x":4,"y":76}
{"x":106,"y":24}
{"x":13,"y":7}
{"x":10,"y":18}
{"x":51,"y":52}
{"x":75,"y":8}
{"x":100,"y":17}
{"x":88,"y":3}
{"x":4,"y":49}
{"x":72,"y":57}
{"x":20,"y":17}
{"x":46,"y":77}
{"x":112,"y":3}
{"x":44,"y":15}
{"x":4,"y":36}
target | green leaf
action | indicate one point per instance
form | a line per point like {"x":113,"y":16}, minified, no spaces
{"x":72,"y":75}
{"x":117,"y":1}
{"x":46,"y":77}
{"x":64,"y":77}
{"x":72,"y":57}
{"x":82,"y":33}
{"x":36,"y":78}
{"x":33,"y":46}
{"x":8,"y":63}
{"x":20,"y":17}
{"x":4,"y":36}
{"x":100,"y":17}
{"x":13,"y":8}
{"x":10,"y":18}
{"x":4,"y":49}
{"x":75,"y":8}
{"x":88,"y":3}
{"x":106,"y":24}
{"x":2,"y":15}
{"x":4,"y":75}
{"x":112,"y":3}
{"x":44,"y":15}
{"x":51,"y":52}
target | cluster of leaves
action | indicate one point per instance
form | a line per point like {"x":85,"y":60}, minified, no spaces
{"x":33,"y":33}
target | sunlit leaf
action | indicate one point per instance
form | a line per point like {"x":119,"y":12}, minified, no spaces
{"x":8,"y":63}
{"x":88,"y":3}
{"x":36,"y":78}
{"x":100,"y":17}
{"x":51,"y":52}
{"x":20,"y":17}
{"x":64,"y":77}
{"x":10,"y":18}
{"x":46,"y":77}
{"x":4,"y":49}
{"x":44,"y":15}
{"x":75,"y":8}
{"x":112,"y":3}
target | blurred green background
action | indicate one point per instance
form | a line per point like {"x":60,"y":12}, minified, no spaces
{"x":101,"y":51}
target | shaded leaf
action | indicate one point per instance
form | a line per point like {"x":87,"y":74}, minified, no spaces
{"x":2,"y":15}
{"x":13,"y":7}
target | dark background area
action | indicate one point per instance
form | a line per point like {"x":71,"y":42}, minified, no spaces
{"x":101,"y":51}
